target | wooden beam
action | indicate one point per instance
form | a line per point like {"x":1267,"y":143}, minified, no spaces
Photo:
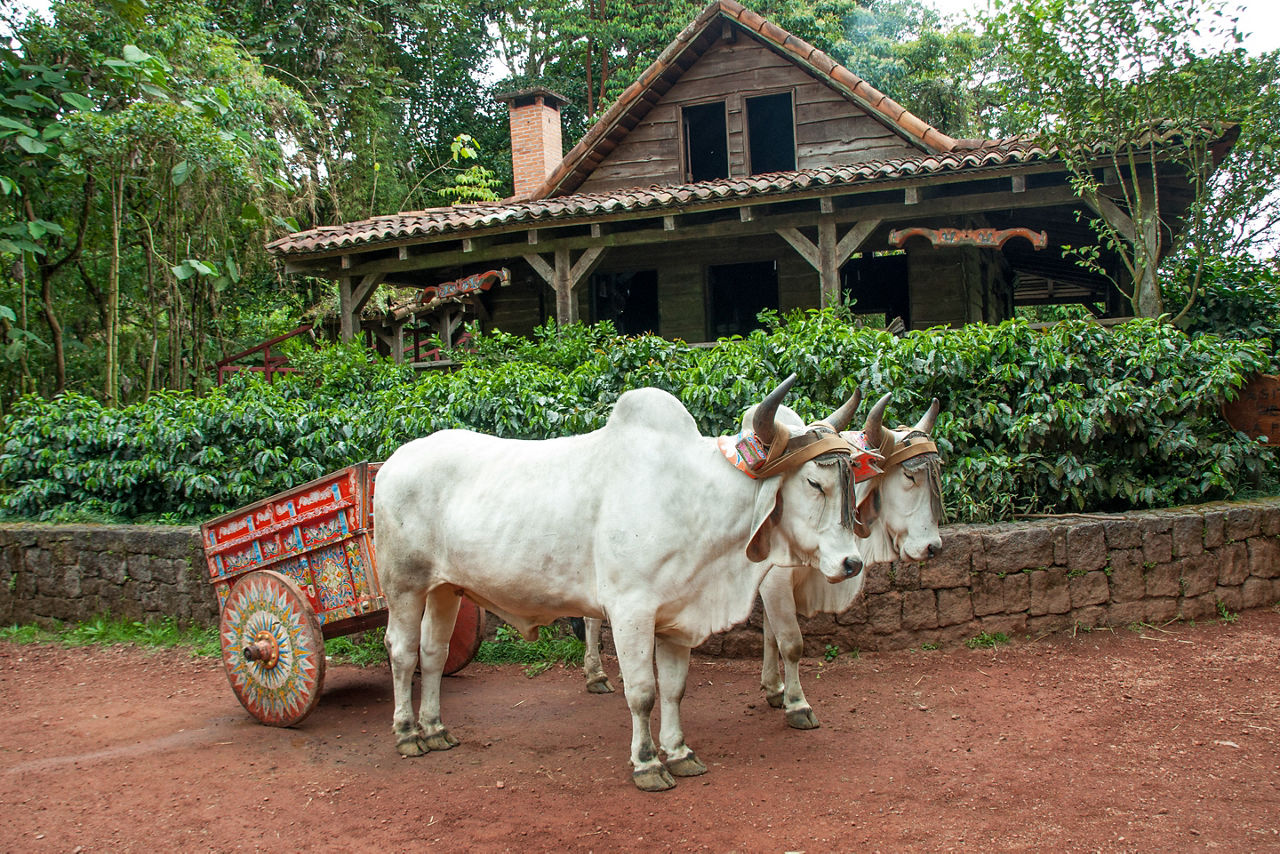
{"x":596,"y":229}
{"x":468,"y":244}
{"x":402,"y":253}
{"x":668,"y":223}
{"x":584,"y":265}
{"x":1019,"y":183}
{"x":542,"y":268}
{"x":911,"y":196}
{"x":1116,"y":218}
{"x":854,"y":238}
{"x":745,"y":214}
{"x":533,"y":237}
{"x":801,"y":244}
{"x":346,"y":317}
{"x":361,"y":292}
{"x":826,"y":205}
{"x":942,"y":206}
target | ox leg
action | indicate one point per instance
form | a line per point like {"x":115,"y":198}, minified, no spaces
{"x":770,"y":673}
{"x":419,"y":636}
{"x":597,"y":681}
{"x":780,"y":616}
{"x":673,"y":671}
{"x":634,"y":640}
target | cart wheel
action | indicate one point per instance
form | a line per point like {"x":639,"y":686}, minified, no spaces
{"x":468,"y":631}
{"x":272,"y":648}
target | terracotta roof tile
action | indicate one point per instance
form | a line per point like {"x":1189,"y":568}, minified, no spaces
{"x":470,"y":219}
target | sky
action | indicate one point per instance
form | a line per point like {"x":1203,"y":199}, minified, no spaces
{"x":1259,"y":19}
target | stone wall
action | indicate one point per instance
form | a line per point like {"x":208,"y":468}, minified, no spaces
{"x":1042,"y":576}
{"x":1020,"y":579}
{"x":75,"y":572}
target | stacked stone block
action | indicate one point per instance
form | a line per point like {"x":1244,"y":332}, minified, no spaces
{"x":1021,"y":579}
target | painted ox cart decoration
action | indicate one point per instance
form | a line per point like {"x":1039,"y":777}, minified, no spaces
{"x":292,"y":570}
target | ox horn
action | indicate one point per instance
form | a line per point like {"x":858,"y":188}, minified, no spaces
{"x":840,"y":419}
{"x":762,"y":421}
{"x":875,"y":422}
{"x":925,"y":424}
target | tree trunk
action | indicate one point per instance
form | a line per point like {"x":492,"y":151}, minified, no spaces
{"x":110,"y":388}
{"x":55,"y":332}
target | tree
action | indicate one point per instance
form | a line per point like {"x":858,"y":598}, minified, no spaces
{"x":1127,"y":91}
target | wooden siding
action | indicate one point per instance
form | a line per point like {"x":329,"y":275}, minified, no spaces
{"x":830,"y":129}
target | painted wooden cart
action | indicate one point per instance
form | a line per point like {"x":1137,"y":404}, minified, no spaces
{"x":292,"y":570}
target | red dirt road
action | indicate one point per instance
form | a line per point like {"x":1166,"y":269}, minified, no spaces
{"x":1161,"y":741}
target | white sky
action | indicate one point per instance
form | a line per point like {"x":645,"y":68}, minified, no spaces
{"x":1259,"y":19}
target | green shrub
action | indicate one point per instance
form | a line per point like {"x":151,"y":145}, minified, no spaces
{"x":1072,"y":418}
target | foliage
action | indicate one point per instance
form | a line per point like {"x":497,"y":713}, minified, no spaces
{"x":1238,"y":298}
{"x":1072,"y":418}
{"x":104,"y":630}
{"x":1128,"y":95}
{"x":555,"y":645}
{"x":363,"y":649}
{"x":988,"y":640}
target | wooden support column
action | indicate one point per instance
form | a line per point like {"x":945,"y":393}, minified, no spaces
{"x":352,"y":297}
{"x":830,"y":254}
{"x":564,"y":277}
{"x":828,"y":265}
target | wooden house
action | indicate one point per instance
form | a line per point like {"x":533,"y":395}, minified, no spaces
{"x":743,"y":170}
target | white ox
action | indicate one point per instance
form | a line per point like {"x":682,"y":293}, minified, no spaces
{"x":900,"y":512}
{"x":642,"y":521}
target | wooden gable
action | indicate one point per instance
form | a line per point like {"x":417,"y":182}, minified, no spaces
{"x":830,"y":129}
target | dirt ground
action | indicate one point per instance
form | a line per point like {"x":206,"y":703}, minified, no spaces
{"x":1115,"y":741}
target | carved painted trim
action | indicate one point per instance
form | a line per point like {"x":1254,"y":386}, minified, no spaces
{"x":987,"y":238}
{"x":474,"y":284}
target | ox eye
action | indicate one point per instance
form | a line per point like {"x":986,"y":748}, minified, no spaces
{"x":817,"y":486}
{"x":909,"y":476}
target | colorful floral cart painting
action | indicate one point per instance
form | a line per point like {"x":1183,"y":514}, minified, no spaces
{"x":292,"y":570}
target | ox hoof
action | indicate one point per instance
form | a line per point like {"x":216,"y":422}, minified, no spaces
{"x":653,"y":779}
{"x":689,"y":766}
{"x":775,"y":698}
{"x":600,"y":685}
{"x":802,"y":719}
{"x":441,"y":740}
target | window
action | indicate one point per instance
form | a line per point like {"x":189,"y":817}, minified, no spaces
{"x":771,"y":133}
{"x":737,"y":293}
{"x":706,"y":144}
{"x":629,"y":299}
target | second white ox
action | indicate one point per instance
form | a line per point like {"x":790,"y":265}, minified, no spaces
{"x":899,"y":513}
{"x":642,"y":521}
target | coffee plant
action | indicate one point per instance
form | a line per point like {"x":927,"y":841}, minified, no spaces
{"x":1071,"y":418}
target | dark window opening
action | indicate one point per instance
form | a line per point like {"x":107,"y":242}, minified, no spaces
{"x":706,"y":144}
{"x":877,"y":284}
{"x":628,"y":299}
{"x":737,"y":293}
{"x":771,"y":133}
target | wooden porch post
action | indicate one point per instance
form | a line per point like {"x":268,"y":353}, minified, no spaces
{"x":830,"y":254}
{"x":352,"y":297}
{"x":564,"y":277}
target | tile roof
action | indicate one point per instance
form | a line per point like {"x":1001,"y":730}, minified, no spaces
{"x":470,"y":219}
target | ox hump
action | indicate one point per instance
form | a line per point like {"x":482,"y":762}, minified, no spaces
{"x":652,"y":409}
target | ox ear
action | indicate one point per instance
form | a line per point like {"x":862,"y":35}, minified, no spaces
{"x":925,"y":425}
{"x":765,"y":514}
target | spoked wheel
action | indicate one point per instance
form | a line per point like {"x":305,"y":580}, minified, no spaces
{"x":272,"y":648}
{"x":468,"y":631}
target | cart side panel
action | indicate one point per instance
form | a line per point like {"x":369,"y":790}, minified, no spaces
{"x":318,"y":534}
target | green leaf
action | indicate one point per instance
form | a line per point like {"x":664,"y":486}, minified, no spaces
{"x":31,"y":145}
{"x":135,"y":55}
{"x":80,"y":102}
{"x":180,"y":172}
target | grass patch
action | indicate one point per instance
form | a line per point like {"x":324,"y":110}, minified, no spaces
{"x":988,"y":640}
{"x":103,"y":630}
{"x":361,"y":649}
{"x":555,"y":645}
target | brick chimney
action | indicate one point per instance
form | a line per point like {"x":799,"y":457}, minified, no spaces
{"x":536,"y":147}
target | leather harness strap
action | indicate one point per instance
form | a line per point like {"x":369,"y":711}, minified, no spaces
{"x":894,"y":454}
{"x":780,"y":459}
